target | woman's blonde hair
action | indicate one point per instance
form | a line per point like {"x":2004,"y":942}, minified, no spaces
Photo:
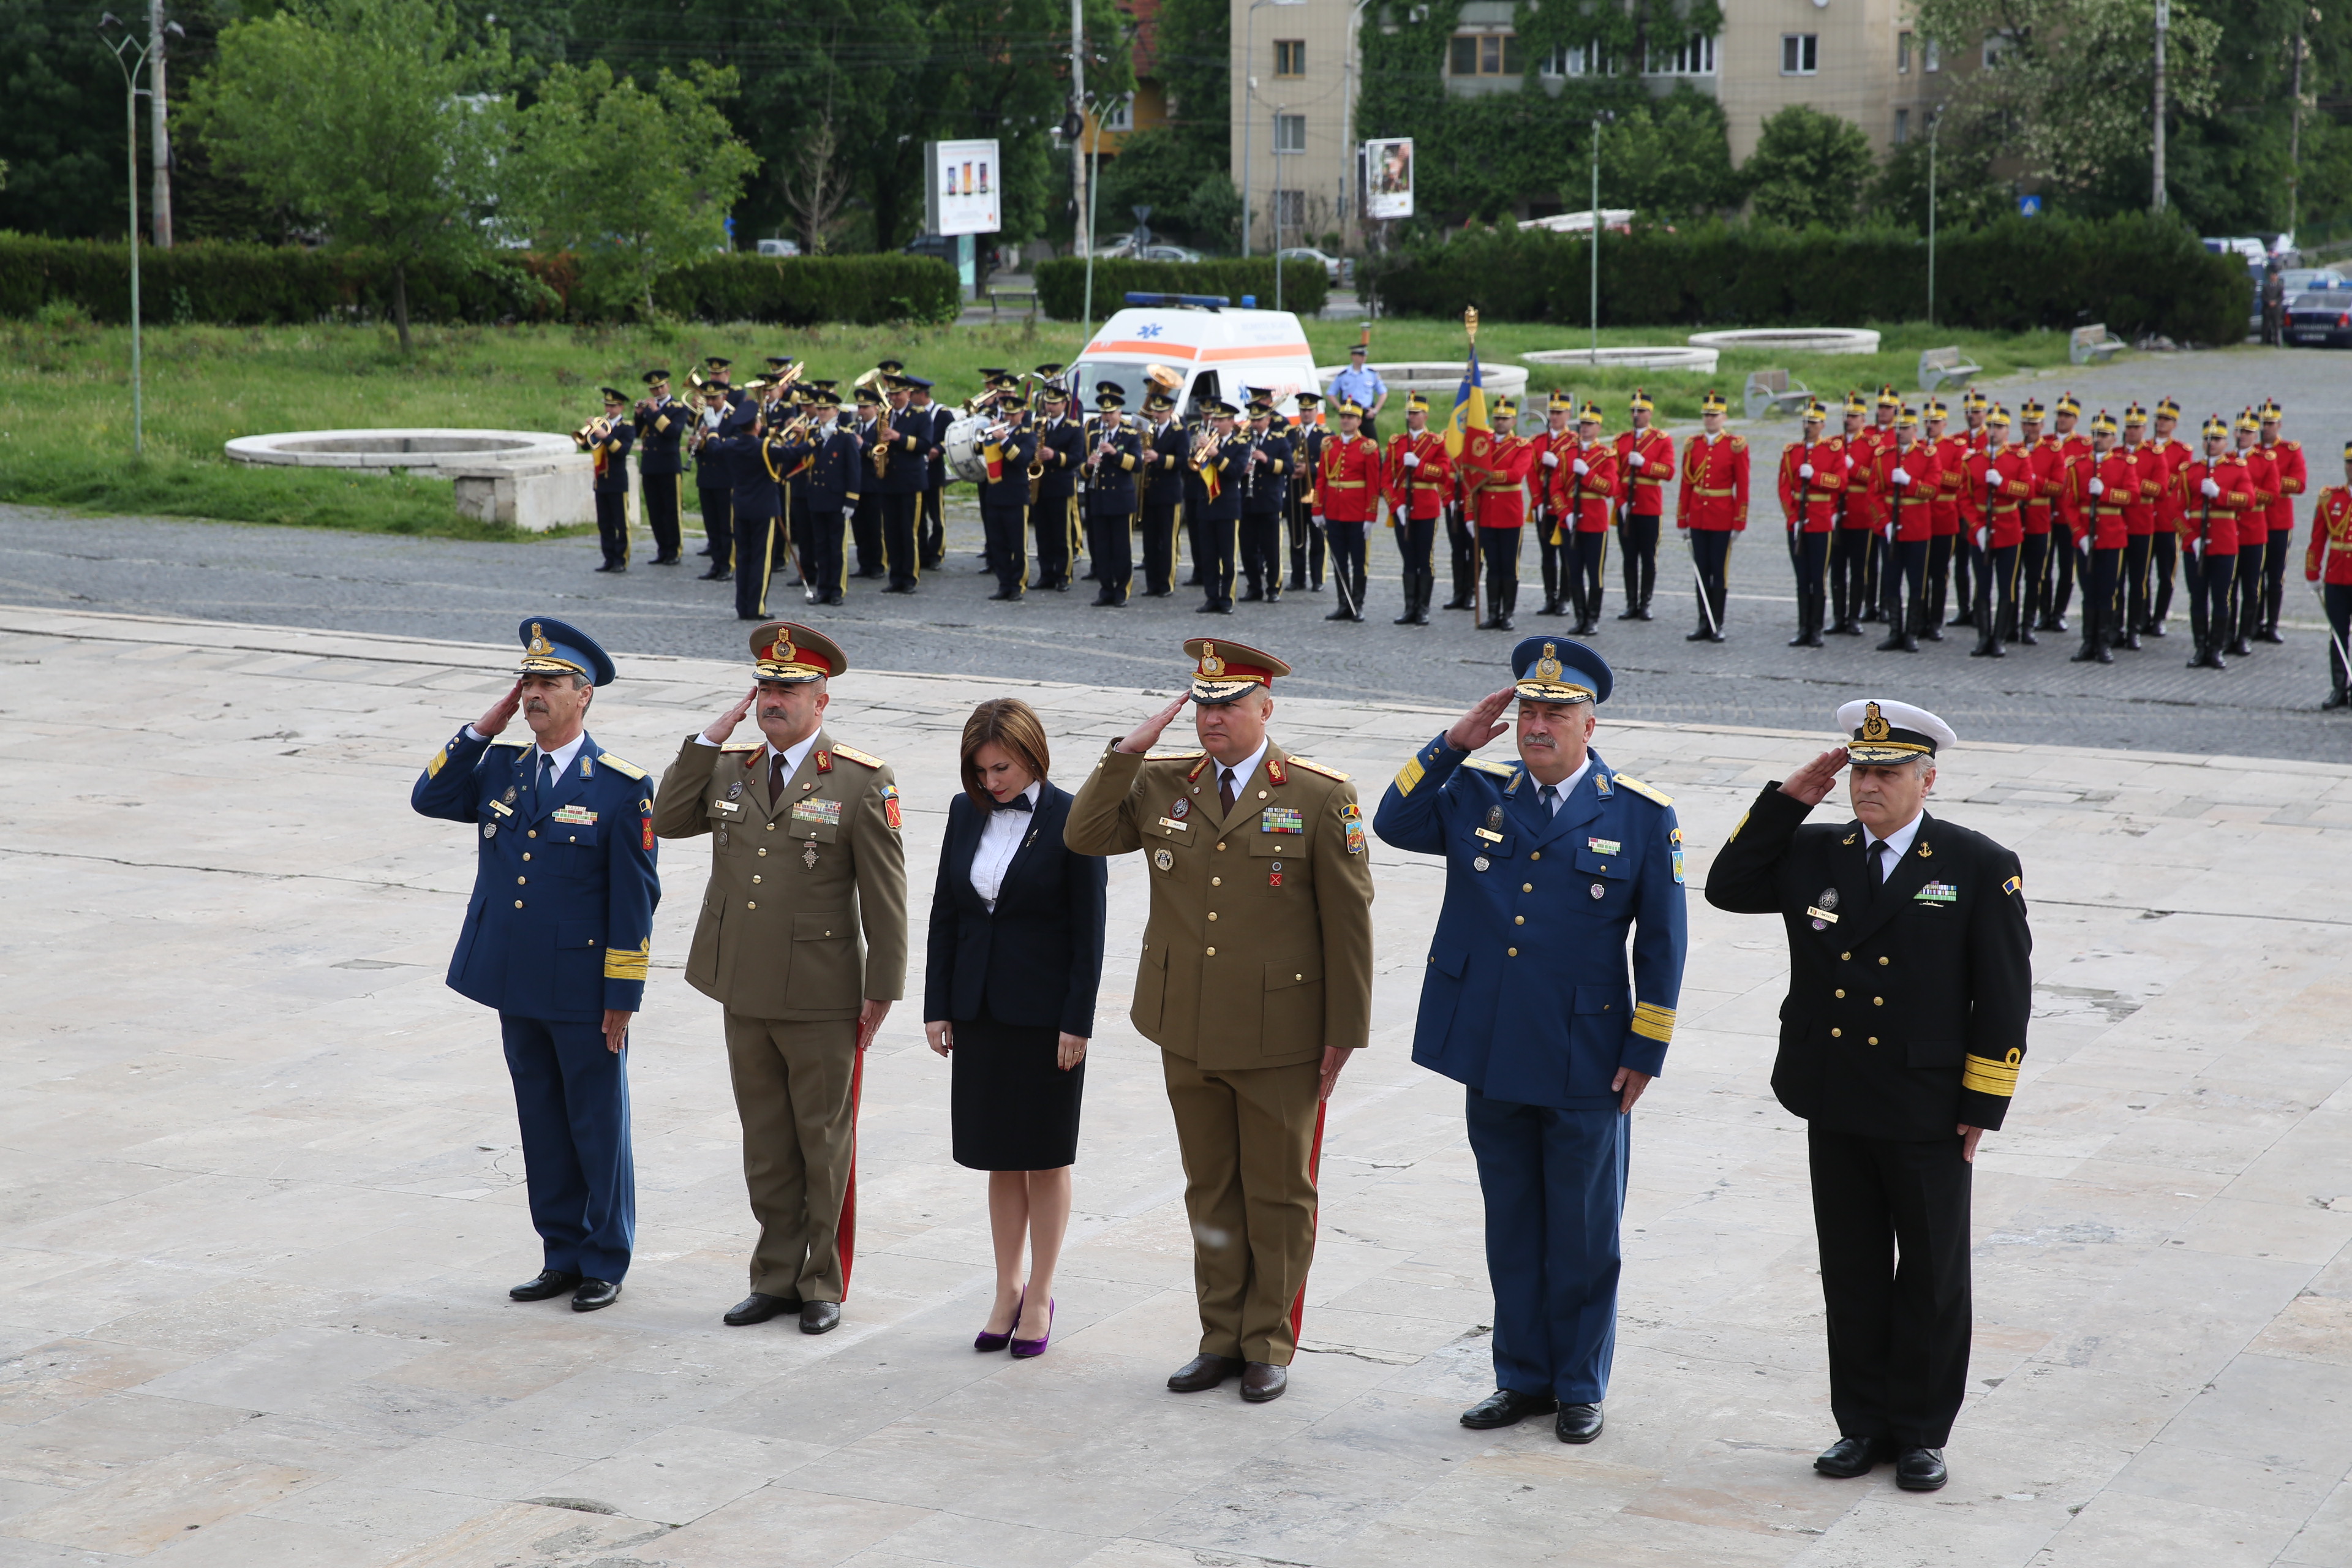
{"x":1012,"y":725}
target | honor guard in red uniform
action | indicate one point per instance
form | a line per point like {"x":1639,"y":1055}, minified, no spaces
{"x":1348,"y":489}
{"x":2246,"y":587}
{"x":1887,"y":443}
{"x":1812,"y":480}
{"x":1645,"y":465}
{"x":1499,"y":509}
{"x":2042,"y":466}
{"x":2328,"y":562}
{"x":1712,"y":506}
{"x":2104,"y":484}
{"x":1418,"y":477}
{"x":1857,"y":521}
{"x":2213,"y":502}
{"x":1556,"y":445}
{"x":1952,"y":459}
{"x":1975,"y":431}
{"x":1584,"y":485}
{"x":2001,"y":479}
{"x":1915,"y":477}
{"x":2289,"y":474}
{"x":2163,"y":544}
{"x":2074,"y":449}
{"x":2140,"y":521}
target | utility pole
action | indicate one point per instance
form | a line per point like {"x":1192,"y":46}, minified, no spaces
{"x":161,"y":141}
{"x":1082,"y":223}
{"x":2163,"y":22}
{"x":1595,"y":245}
{"x":1935,"y":118}
{"x":2294,"y":127}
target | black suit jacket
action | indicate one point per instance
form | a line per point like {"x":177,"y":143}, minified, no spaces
{"x":1907,"y":1003}
{"x":1037,"y":961}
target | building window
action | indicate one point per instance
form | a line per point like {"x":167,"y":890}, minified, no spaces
{"x":1579,"y":59}
{"x":1902,"y":53}
{"x":1290,"y":56}
{"x":1485,"y":54}
{"x":1931,"y":57}
{"x":1290,"y":209}
{"x":1117,"y":118}
{"x":1996,"y":45}
{"x":1290,"y":133}
{"x":1799,"y":53}
{"x":1902,"y":126}
{"x":1694,"y":56}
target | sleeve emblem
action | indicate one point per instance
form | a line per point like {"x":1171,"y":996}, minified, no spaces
{"x":1351,"y":818}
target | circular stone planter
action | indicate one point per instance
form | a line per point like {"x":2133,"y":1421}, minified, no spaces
{"x":1793,"y":340}
{"x":1439,"y":378}
{"x":524,"y":478}
{"x":1661,"y":356}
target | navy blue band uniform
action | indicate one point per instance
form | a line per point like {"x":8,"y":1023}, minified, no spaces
{"x":606,"y":439}
{"x":660,"y":421}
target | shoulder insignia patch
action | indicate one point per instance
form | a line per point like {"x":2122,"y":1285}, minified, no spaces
{"x":626,"y":769}
{"x":854,"y":755}
{"x":1500,"y":770}
{"x":1645,"y":791}
{"x":2014,"y":885}
{"x":1318,"y":768}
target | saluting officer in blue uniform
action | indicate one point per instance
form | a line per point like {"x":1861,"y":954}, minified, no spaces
{"x":1548,"y":864}
{"x":557,"y":937}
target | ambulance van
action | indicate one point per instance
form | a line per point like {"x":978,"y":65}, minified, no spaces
{"x":1218,"y":350}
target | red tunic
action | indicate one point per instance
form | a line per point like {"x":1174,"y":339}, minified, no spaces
{"x":1583,"y":498}
{"x":1644,"y":489}
{"x":1952,"y":460}
{"x":1811,"y":504}
{"x":2104,"y":517}
{"x":1501,"y":501}
{"x":1866,"y":478}
{"x":1349,"y":487}
{"x":2215,"y":519}
{"x":2000,"y":480}
{"x":1421,"y":490}
{"x":2330,"y":558}
{"x":2286,"y":458}
{"x":1914,"y":503}
{"x":2048,"y":464}
{"x":1714,"y":494}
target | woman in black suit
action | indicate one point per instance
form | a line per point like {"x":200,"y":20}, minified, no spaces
{"x":1015,"y":957}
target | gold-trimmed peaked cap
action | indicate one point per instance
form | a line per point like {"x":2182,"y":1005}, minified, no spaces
{"x":1880,"y":732}
{"x":552,"y":647}
{"x":793,"y":655}
{"x":1712,"y":402}
{"x":1554,"y":670}
{"x":1222,"y":670}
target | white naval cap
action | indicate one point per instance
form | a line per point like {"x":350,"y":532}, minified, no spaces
{"x":1880,"y":732}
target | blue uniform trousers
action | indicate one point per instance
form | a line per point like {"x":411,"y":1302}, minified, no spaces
{"x":571,"y":1097}
{"x":1554,"y":1182}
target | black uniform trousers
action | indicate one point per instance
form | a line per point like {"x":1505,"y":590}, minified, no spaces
{"x":1966,"y":560}
{"x":1891,"y":1219}
{"x":2100,"y":571}
{"x":1498,"y":552}
{"x":2032,"y":580}
{"x":1850,"y":550}
{"x":2208,"y":580}
{"x":1939,"y":577}
{"x":1809,"y":557}
{"x":1054,"y":520}
{"x":1587,"y":561}
{"x":2336,"y":598}
{"x":899,"y":549}
{"x":2259,"y":588}
{"x":1159,"y":548}
{"x":865,"y":527}
{"x":1348,"y":575}
{"x":932,"y":529}
{"x":1711,"y":549}
{"x":1007,"y":530}
{"x":1114,"y":555}
{"x":1193,"y":547}
{"x":1874,"y":574}
{"x":1637,"y":547}
{"x":1219,"y":539}
{"x":2058,"y":593}
{"x":2135,"y":584}
{"x":1906,"y":574}
{"x":1464,"y":546}
{"x":1551,"y":561}
{"x":663,"y":493}
{"x":613,"y":526}
{"x":1997,"y":592}
{"x":2163,"y":553}
{"x":1306,"y":547}
{"x":757,"y":545}
{"x":1261,"y":553}
{"x":824,"y":532}
{"x":717,"y":525}
{"x":1416,"y":545}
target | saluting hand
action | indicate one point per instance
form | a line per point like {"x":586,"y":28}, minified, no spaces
{"x":724,"y":725}
{"x":1146,"y":736}
{"x":501,"y":712}
{"x":1812,"y":782}
{"x":1482,"y":723}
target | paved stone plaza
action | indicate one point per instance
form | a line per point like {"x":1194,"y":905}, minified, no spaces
{"x":260,"y":1197}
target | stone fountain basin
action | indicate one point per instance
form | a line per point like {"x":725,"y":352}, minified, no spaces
{"x":1793,"y":340}
{"x":1656,"y":356}
{"x":525,"y":479}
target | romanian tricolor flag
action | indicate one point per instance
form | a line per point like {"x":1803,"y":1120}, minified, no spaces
{"x":1466,"y":430}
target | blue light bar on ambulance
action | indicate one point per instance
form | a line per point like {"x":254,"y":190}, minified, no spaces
{"x":1176,"y":301}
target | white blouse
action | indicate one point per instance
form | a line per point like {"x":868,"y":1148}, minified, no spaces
{"x":1000,"y":839}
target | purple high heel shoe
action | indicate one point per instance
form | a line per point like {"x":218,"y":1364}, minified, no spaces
{"x":984,"y":1340}
{"x":1024,"y":1348}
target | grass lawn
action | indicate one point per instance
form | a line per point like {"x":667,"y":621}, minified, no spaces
{"x":65,"y":398}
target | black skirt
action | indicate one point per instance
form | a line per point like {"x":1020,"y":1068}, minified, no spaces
{"x":1013,"y":1108}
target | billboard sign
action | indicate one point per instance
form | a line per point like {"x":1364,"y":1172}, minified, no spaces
{"x":965,"y":191}
{"x":1388,"y":177}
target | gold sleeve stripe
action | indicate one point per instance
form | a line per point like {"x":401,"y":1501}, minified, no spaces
{"x":440,"y":760}
{"x":623,"y":964}
{"x":1412,"y":773}
{"x":1653,"y":1022}
{"x":1987,"y":1076}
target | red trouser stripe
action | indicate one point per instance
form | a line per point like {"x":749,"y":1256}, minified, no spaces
{"x":845,"y":1237}
{"x":1313,"y":1170}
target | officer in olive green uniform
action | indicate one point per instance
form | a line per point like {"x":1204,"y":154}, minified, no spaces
{"x":805,"y":856}
{"x":1255,"y":982}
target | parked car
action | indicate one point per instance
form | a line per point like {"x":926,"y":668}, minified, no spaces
{"x":1170,"y":253}
{"x":1334,"y":268}
{"x":779,"y":247}
{"x":2320,"y":317}
{"x":941,"y":246}
{"x":2299,"y":279}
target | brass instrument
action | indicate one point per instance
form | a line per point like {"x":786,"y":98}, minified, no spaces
{"x":595,"y":433}
{"x":1204,"y":447}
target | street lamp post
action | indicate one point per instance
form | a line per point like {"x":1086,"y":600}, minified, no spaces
{"x":130,"y":53}
{"x":2163,"y":26}
{"x":1249,"y":111}
{"x":1597,"y":122}
{"x":1935,"y":118}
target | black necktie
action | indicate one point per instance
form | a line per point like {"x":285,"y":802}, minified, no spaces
{"x":1877,"y":865}
{"x":1018,"y":803}
{"x":1550,"y":795}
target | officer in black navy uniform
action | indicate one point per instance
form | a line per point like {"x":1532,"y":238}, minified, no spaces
{"x":660,"y":421}
{"x":1163,"y":485}
{"x":606,"y":439}
{"x":757,"y":500}
{"x":1061,"y":449}
{"x":1307,"y":460}
{"x":1266,"y":490}
{"x":714,"y":483}
{"x":870,"y":425}
{"x":556,"y":937}
{"x":933,"y":421}
{"x":1114,"y":456}
{"x":1910,"y":981}
{"x":1550,"y":863}
{"x":826,"y":467}
{"x":1004,"y":493}
{"x":1219,"y":475}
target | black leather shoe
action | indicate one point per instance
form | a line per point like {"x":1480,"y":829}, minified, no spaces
{"x":756,"y":1308}
{"x":1261,"y":1381}
{"x":1577,"y":1423}
{"x":1920,"y":1469}
{"x":1850,"y":1457}
{"x":551,"y":1283}
{"x":820,"y":1317}
{"x":713,"y":575}
{"x":594,"y":1294}
{"x":1203,"y":1372}
{"x":1508,"y":1408}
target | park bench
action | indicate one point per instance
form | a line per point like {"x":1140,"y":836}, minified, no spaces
{"x":2091,"y":345}
{"x":1771,"y":392}
{"x":1937,"y":366}
{"x":998,"y":298}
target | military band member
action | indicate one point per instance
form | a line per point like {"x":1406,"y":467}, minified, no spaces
{"x":1255,"y":982}
{"x":1858,"y":520}
{"x":1585,"y":485}
{"x":1914,"y":473}
{"x":826,"y":469}
{"x":1005,"y":495}
{"x":1416,"y":476}
{"x":2105,"y":484}
{"x":2328,"y":561}
{"x":1114,"y":457}
{"x":1305,"y":452}
{"x":556,"y":937}
{"x":1556,"y":444}
{"x":660,"y":421}
{"x":1165,"y":450}
{"x":2216,"y":500}
{"x":1220,"y":454}
{"x":1349,"y":489}
{"x":720,"y":374}
{"x":1712,"y":506}
{"x":1053,"y":506}
{"x":2290,"y":476}
{"x":1910,"y":983}
{"x":803,"y":939}
{"x":1812,"y":479}
{"x":930,"y":516}
{"x":1552,"y":864}
{"x":2001,"y":478}
{"x":1645,"y":467}
{"x":903,"y":480}
{"x":606,"y":439}
{"x":714,"y":483}
{"x":1265,"y":484}
{"x":874,"y":437}
{"x":1495,"y":494}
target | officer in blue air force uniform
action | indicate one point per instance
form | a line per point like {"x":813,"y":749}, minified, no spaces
{"x":1549,"y":863}
{"x":557,"y":937}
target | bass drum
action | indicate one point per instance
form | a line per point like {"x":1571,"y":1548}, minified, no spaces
{"x":965,"y":439}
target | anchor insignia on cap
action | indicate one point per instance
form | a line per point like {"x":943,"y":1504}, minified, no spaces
{"x":1874,"y":726}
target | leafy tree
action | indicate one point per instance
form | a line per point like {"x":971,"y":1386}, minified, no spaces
{"x":634,"y":180}
{"x":1969,"y":192}
{"x":1808,"y":169}
{"x":1193,"y":54}
{"x":1667,"y":160}
{"x":374,"y":119}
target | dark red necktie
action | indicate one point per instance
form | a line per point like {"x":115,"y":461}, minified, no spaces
{"x":775,"y":777}
{"x":1225,"y":789}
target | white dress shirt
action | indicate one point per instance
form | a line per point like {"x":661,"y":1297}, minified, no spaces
{"x":1561,"y":789}
{"x":999,"y":840}
{"x":1898,"y":845}
{"x":562,"y":755}
{"x":1241,"y":772}
{"x":793,"y":756}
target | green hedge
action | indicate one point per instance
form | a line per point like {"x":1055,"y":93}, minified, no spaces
{"x":253,"y":285}
{"x":1062,"y":283}
{"x":2139,"y":273}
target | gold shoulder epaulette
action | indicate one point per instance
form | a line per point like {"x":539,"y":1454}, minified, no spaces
{"x":1172,"y":756}
{"x":1314,"y":767}
{"x":619,"y":765}
{"x":742,"y":745}
{"x":1500,"y":770}
{"x":1645,"y":791}
{"x":854,"y":755}
{"x":1738,"y":442}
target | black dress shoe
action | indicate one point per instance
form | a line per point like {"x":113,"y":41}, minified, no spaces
{"x":1508,"y":1408}
{"x":899,"y":588}
{"x":757,"y":1308}
{"x":1203,"y":1372}
{"x":1002,"y":594}
{"x":667,"y":561}
{"x":1577,"y":1423}
{"x":1850,"y":1457}
{"x":551,"y":1283}
{"x":715,"y":576}
{"x":1920,"y":1469}
{"x":820,"y":1317}
{"x":594,"y":1294}
{"x":1262,"y":1381}
{"x":612,"y":566}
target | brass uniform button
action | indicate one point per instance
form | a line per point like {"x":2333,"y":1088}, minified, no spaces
{"x":1874,"y":1039}
{"x":521,"y":881}
{"x":534,"y":833}
{"x":1535,"y":855}
{"x":1878,"y":1001}
{"x":1261,"y":794}
{"x":771,"y":828}
{"x":1845,"y":958}
{"x":750,"y":906}
{"x":755,"y":881}
{"x":763,"y":852}
{"x":1527,"y":886}
{"x":1299,"y":977}
{"x":1216,"y":881}
{"x":1841,"y":995}
{"x":526,"y":854}
{"x":1213,"y":953}
{"x":1221,"y":845}
{"x":1519,"y":920}
{"x":1512,"y":951}
{"x":1212,"y":914}
{"x":518,"y":903}
{"x":1837,"y":1034}
{"x":1882,"y":960}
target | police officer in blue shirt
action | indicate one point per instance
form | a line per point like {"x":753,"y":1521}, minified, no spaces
{"x":1549,"y":863}
{"x":557,"y":937}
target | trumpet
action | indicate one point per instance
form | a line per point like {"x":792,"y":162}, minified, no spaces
{"x":593,"y":434}
{"x":1204,"y":447}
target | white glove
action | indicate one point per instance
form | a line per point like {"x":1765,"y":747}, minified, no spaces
{"x":1551,"y":459}
{"x":1901,"y":476}
{"x":1984,"y":537}
{"x":1634,"y":460}
{"x":1804,"y":470}
{"x":2211,"y":488}
{"x":1582,"y":467}
{"x":1412,"y":459}
{"x":2097,"y":489}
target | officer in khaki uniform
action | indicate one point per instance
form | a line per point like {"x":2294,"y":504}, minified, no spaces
{"x":1255,"y":981}
{"x":805,"y":856}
